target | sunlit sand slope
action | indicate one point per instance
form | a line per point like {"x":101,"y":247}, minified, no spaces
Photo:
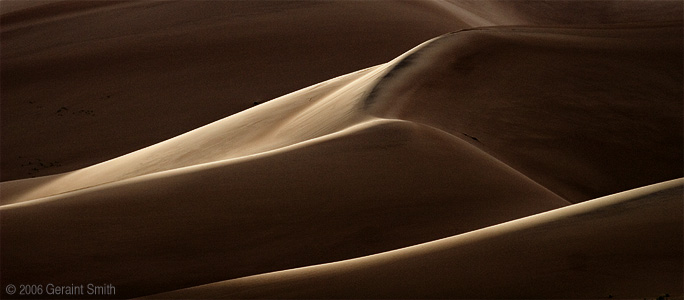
{"x":312,"y":193}
{"x":94,"y":80}
{"x":585,"y":112}
{"x":627,"y":245}
{"x":312,"y":112}
{"x":374,"y":187}
{"x":83,"y":74}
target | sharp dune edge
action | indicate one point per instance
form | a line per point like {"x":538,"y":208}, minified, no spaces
{"x":541,"y":159}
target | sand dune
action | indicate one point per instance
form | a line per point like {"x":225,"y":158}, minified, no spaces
{"x":85,"y":79}
{"x":312,"y":112}
{"x":579,"y":110}
{"x":627,"y":246}
{"x":71,"y":69}
{"x":293,"y":207}
{"x":450,"y":161}
{"x":561,"y":12}
{"x":563,"y":132}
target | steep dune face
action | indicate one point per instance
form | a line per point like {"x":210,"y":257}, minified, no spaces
{"x":627,"y":245}
{"x":297,"y":206}
{"x":85,"y":75}
{"x":584,"y":112}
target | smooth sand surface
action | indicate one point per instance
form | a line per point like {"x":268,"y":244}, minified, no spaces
{"x":293,"y":207}
{"x":579,"y":110}
{"x":72,"y":69}
{"x":451,"y":161}
{"x":624,"y":246}
{"x":97,"y":80}
{"x":564,"y":102}
{"x":561,"y":12}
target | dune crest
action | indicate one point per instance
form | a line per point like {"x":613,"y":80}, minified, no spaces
{"x":419,"y":86}
{"x":309,"y":113}
{"x":283,"y":209}
{"x":163,"y":68}
{"x":627,"y":245}
{"x":540,"y":159}
{"x":554,"y":103}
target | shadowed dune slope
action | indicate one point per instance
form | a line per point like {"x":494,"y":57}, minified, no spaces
{"x":627,"y":245}
{"x":72,"y":69}
{"x":585,"y":112}
{"x":374,"y":187}
{"x":468,"y":130}
{"x":309,"y":113}
{"x":85,"y":75}
{"x":562,"y":12}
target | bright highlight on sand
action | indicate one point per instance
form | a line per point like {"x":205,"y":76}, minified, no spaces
{"x":425,"y":149}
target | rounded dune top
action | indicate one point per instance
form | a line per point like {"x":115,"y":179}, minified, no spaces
{"x":555,"y":103}
{"x":551,"y":103}
{"x":176,"y":66}
{"x":422,"y":174}
{"x":86,"y":74}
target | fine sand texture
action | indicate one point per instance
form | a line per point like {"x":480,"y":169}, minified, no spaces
{"x":335,"y":149}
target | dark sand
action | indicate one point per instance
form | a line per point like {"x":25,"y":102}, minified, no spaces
{"x":418,"y":174}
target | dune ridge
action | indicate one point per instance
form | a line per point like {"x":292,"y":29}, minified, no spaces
{"x":540,"y":159}
{"x":340,"y":102}
{"x":565,"y":100}
{"x":269,"y":212}
{"x":322,"y":108}
{"x":163,"y":68}
{"x":546,"y":256}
